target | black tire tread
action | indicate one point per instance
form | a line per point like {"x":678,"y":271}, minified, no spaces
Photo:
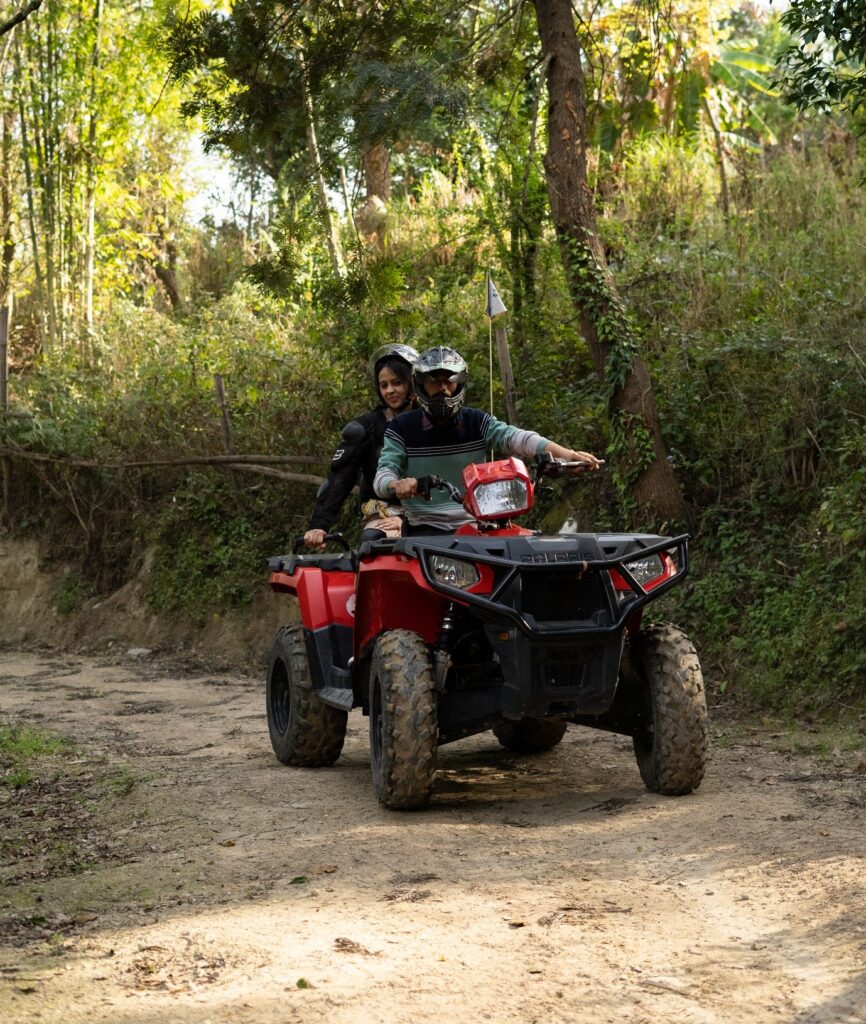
{"x":674,"y":764}
{"x":318,"y":730}
{"x":401,"y":663}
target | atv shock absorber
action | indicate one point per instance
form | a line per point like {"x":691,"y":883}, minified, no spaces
{"x":442,"y":651}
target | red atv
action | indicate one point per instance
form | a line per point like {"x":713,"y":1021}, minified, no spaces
{"x":492,"y":627}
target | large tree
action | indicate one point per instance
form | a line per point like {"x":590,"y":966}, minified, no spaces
{"x":643,"y":469}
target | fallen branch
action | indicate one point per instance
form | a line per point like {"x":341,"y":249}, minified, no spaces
{"x":239,"y":463}
{"x":278,"y":474}
{"x":189,"y":460}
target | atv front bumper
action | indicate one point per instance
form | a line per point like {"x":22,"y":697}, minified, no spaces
{"x":553,"y":617}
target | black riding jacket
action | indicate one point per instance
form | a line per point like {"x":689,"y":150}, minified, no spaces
{"x":357,"y":455}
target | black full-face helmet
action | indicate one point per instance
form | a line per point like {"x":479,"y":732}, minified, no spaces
{"x":400,"y":358}
{"x":440,"y":360}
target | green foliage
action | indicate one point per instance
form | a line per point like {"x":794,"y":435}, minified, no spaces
{"x":374,"y":72}
{"x":753,"y":334}
{"x":150,"y":393}
{"x":21,"y":748}
{"x":210,"y":544}
{"x":826,"y":65}
{"x":72,"y":594}
{"x":750,"y":319}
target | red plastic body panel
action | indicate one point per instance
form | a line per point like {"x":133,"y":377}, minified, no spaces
{"x":393,"y":594}
{"x":326,"y":598}
{"x":478,"y":473}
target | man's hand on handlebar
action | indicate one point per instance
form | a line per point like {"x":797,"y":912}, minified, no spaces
{"x":405,"y":488}
{"x":569,"y":455}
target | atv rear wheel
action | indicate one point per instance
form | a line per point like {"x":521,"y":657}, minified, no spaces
{"x":404,"y":732}
{"x":304,"y":731}
{"x":671,"y":743}
{"x":530,"y":735}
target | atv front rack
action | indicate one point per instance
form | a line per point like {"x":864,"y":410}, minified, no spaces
{"x":508,"y":570}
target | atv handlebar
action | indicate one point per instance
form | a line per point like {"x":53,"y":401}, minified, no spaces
{"x":425,"y":484}
{"x":547,"y":465}
{"x":337,"y":538}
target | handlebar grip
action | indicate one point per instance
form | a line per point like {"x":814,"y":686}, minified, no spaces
{"x":425,"y":485}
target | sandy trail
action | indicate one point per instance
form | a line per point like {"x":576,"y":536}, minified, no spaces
{"x":213,"y":884}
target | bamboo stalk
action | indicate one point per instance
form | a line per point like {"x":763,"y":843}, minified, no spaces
{"x":90,"y":174}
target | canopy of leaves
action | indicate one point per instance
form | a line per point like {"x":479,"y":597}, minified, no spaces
{"x":376,"y":71}
{"x":826,"y":65}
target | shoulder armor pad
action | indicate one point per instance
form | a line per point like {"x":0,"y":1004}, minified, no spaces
{"x":353,"y":432}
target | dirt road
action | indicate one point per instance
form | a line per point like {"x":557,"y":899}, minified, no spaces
{"x":171,"y":870}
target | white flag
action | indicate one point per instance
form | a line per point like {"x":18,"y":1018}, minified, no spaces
{"x":495,"y":305}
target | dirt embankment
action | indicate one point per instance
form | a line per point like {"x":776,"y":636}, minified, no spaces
{"x":172,"y":870}
{"x":29,"y":587}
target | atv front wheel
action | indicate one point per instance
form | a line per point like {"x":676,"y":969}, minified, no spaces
{"x":671,"y":743}
{"x":530,"y":735}
{"x":304,"y":731}
{"x":404,"y":732}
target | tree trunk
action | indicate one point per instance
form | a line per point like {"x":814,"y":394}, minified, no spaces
{"x":724,"y":196}
{"x":377,"y":172}
{"x":45,"y":166}
{"x":331,"y":236}
{"x":164,"y":264}
{"x":376,"y":164}
{"x":6,"y":205}
{"x":90,"y":173}
{"x":644,"y":474}
{"x":31,"y":206}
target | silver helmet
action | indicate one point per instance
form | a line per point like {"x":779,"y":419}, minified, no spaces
{"x":440,"y":359}
{"x":402,"y":353}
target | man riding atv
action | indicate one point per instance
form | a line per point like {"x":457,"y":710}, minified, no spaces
{"x":469,"y":622}
{"x":443,"y":436}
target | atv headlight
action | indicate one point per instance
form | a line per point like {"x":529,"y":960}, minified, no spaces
{"x":646,"y":569}
{"x":500,"y":498}
{"x":453,"y":573}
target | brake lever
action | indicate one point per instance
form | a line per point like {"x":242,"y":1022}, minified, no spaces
{"x":425,"y":484}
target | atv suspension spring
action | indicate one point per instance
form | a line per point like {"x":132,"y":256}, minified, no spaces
{"x":446,"y":629}
{"x":442,"y":652}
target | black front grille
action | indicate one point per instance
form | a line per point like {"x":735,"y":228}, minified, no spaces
{"x":561,"y":596}
{"x":563,"y":675}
